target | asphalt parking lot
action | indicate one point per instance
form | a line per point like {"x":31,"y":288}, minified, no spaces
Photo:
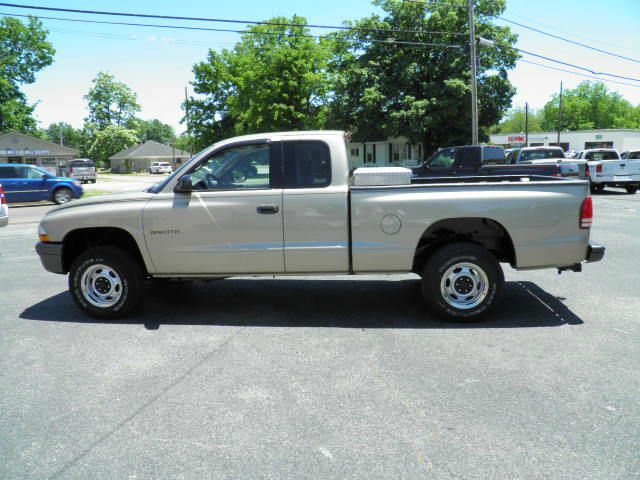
{"x":325,"y":377}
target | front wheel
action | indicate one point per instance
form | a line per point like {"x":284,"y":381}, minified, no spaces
{"x":62,"y":195}
{"x":462,"y":282}
{"x":632,"y":189}
{"x":106,"y":282}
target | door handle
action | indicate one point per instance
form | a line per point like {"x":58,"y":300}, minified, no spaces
{"x":267,"y":209}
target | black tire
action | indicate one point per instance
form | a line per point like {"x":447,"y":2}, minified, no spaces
{"x":93,"y":181}
{"x":126,"y":269}
{"x":479,"y":262}
{"x":62,"y":195}
{"x":631,"y":189}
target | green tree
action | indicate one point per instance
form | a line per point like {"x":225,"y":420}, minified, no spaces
{"x":103,"y":143}
{"x":71,"y":137}
{"x":419,"y":91}
{"x":590,"y":106}
{"x":515,"y":120}
{"x":153,"y":130}
{"x":275,"y":78}
{"x":24,"y":52}
{"x":110,"y":102}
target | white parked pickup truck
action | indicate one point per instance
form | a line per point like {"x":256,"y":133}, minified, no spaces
{"x":289,"y":204}
{"x":607,"y":169}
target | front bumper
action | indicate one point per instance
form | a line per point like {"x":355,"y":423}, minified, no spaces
{"x":50,"y":256}
{"x":595,"y":252}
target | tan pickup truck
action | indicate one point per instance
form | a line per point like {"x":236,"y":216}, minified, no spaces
{"x":289,"y":204}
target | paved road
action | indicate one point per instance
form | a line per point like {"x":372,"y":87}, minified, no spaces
{"x":325,"y":378}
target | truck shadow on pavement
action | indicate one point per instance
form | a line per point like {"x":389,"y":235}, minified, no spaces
{"x":310,"y":303}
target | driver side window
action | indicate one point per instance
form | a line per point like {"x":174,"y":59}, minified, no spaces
{"x":241,"y":167}
{"x":444,"y":158}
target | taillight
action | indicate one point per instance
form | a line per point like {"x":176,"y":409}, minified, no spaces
{"x":71,"y":171}
{"x":3,"y":200}
{"x":599,"y":168}
{"x":586,"y":213}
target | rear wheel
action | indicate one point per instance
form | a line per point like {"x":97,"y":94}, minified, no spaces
{"x":632,"y":189}
{"x":462,"y":282}
{"x":106,"y":282}
{"x":62,"y":195}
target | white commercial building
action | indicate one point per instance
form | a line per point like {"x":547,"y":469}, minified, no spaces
{"x":620,"y":139}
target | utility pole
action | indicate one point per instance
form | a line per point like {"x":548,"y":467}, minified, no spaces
{"x":560,"y":115}
{"x":60,"y":126}
{"x":526,"y":124}
{"x":474,"y":73}
{"x":186,"y":109}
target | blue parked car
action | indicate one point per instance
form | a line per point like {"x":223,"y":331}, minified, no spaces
{"x":26,"y":183}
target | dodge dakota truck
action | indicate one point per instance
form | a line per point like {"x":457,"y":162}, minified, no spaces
{"x":289,"y":204}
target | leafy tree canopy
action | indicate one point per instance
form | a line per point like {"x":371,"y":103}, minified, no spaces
{"x":421,"y":92}
{"x":71,"y":137}
{"x":274,"y":79}
{"x":110,"y":102}
{"x":24,"y":52}
{"x":153,"y":130}
{"x":514,"y":121}
{"x":105,"y":142}
{"x":590,"y":106}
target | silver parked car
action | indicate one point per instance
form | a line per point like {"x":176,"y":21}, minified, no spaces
{"x":83,"y":169}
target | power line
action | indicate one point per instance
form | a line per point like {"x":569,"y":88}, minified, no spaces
{"x":223,"y":20}
{"x":566,"y":32}
{"x":249,"y":32}
{"x":567,"y":64}
{"x":568,"y":40}
{"x":578,"y":73}
{"x":184,"y":27}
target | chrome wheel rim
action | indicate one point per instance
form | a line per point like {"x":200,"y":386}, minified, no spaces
{"x":464,"y":285}
{"x":63,"y":195}
{"x":101,"y":286}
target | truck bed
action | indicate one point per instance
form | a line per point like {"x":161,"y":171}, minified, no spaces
{"x":539,"y":213}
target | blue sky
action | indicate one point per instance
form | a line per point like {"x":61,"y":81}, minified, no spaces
{"x":157,"y":63}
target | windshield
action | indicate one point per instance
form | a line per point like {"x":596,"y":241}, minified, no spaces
{"x":526,"y":155}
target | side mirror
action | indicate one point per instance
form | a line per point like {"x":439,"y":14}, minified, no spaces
{"x":184,"y":184}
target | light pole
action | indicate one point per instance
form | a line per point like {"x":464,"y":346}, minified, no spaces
{"x":482,"y":42}
{"x":474,"y":73}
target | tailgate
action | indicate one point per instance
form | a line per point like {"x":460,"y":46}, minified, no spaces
{"x":620,"y":167}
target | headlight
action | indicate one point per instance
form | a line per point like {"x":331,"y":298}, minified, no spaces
{"x":42,"y":234}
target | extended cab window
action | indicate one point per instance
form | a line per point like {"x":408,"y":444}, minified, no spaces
{"x":241,"y":167}
{"x":443,"y":159}
{"x":307,"y":164}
